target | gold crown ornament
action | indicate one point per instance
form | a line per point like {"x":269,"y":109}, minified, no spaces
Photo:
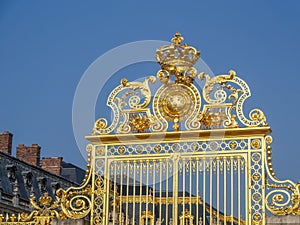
{"x":177,"y":59}
{"x":45,"y":199}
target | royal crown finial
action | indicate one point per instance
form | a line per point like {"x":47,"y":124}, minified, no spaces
{"x":177,"y":39}
{"x":177,"y":59}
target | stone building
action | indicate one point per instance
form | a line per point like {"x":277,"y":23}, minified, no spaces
{"x":27,"y":174}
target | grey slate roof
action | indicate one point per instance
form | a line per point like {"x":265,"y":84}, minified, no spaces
{"x":72,"y":172}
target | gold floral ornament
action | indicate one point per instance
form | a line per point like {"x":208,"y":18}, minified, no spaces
{"x":139,"y":123}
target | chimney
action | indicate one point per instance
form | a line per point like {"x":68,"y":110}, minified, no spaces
{"x":30,"y":154}
{"x":52,"y":164}
{"x":6,"y":142}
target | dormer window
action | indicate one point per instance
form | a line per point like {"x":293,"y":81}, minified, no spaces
{"x":11,"y":172}
{"x":27,"y":176}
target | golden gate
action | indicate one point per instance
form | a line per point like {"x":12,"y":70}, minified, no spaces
{"x":175,"y":155}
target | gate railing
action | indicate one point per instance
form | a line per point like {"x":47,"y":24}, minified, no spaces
{"x":207,"y":181}
{"x":167,"y":160}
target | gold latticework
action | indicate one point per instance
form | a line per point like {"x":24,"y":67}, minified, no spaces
{"x":176,"y":156}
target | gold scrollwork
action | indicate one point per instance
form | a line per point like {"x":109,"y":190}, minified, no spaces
{"x":214,"y":92}
{"x":119,"y":103}
{"x":283,"y":197}
{"x":220,"y":95}
{"x":75,"y":203}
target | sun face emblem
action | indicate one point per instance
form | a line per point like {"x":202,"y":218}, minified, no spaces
{"x":176,"y":103}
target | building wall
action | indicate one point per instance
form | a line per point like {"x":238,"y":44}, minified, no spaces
{"x":71,"y":222}
{"x":283,"y":220}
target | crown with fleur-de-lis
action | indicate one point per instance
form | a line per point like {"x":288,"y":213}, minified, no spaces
{"x":177,"y":59}
{"x":177,"y":54}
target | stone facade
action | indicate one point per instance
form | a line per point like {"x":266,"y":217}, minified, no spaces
{"x":283,"y":220}
{"x":70,"y":222}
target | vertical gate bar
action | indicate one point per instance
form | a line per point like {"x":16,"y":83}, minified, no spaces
{"x":160,"y":186}
{"x":263,"y":204}
{"x":134,"y":187}
{"x":183,"y":186}
{"x":210,"y":191}
{"x":105,"y":175}
{"x":197,"y":190}
{"x":239,"y":190}
{"x":175,"y":190}
{"x":106,"y":188}
{"x":153,"y":192}
{"x":127,"y":192}
{"x":225,"y":185}
{"x":248,"y":188}
{"x":218,"y":190}
{"x":167,"y":192}
{"x":191,"y":170}
{"x":121,"y":190}
{"x":115,"y":191}
{"x":147,"y":190}
{"x":141,"y":182}
{"x":232,"y":189}
{"x":204,"y":191}
{"x":93,"y":169}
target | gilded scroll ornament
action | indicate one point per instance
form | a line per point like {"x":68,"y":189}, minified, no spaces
{"x":283,"y":197}
{"x":123,"y":100}
{"x":215,"y":93}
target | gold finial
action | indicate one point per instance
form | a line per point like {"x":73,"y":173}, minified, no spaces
{"x":177,"y":39}
{"x":124,"y":82}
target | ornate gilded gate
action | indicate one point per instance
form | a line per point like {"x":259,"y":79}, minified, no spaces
{"x":170,"y":159}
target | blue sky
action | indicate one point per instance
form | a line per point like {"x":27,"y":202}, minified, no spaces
{"x":45,"y":47}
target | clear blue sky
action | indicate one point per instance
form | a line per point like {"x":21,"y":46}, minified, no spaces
{"x":45,"y":47}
